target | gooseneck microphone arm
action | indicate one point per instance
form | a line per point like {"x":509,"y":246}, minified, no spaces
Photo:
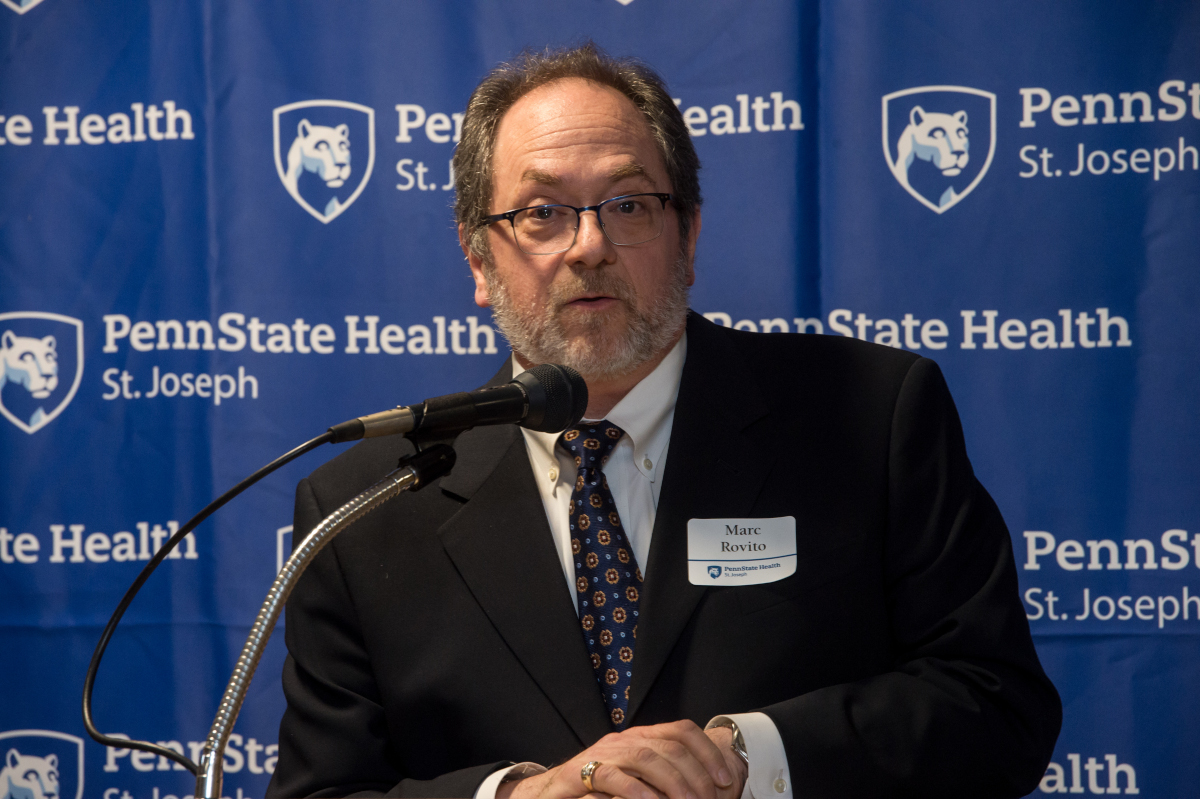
{"x":414,"y":473}
{"x":547,"y":397}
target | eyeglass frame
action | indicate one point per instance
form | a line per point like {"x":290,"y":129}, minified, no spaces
{"x":492,"y":219}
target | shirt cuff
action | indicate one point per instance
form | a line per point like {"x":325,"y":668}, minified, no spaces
{"x":487,"y":789}
{"x":769,"y":777}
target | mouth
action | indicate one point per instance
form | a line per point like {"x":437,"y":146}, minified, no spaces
{"x":592,"y":302}
{"x":335,"y":183}
{"x":951,"y":172}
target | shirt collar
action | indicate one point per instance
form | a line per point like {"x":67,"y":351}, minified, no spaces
{"x":645,"y":414}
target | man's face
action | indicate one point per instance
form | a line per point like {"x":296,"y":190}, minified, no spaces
{"x":597,"y":307}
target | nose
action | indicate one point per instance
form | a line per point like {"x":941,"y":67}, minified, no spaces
{"x":592,"y":247}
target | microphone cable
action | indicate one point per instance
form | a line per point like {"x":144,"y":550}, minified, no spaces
{"x":123,"y":605}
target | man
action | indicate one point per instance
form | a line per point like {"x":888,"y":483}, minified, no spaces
{"x":535,"y":606}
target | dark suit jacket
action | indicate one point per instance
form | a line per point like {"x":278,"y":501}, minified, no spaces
{"x":437,"y":639}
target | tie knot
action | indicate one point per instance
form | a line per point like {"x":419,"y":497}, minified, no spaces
{"x":591,"y":442}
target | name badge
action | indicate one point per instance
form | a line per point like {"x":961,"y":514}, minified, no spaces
{"x":741,"y":551}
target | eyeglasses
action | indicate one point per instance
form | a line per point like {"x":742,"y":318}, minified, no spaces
{"x":548,"y":229}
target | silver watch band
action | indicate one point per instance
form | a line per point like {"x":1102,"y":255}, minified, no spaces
{"x":739,"y":742}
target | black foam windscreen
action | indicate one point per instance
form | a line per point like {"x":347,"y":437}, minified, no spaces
{"x":557,"y":397}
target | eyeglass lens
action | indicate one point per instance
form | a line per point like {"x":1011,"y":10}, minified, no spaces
{"x":551,"y":229}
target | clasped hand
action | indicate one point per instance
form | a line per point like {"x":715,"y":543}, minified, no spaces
{"x":664,"y":761}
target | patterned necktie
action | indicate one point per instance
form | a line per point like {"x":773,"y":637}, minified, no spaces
{"x":607,"y":578}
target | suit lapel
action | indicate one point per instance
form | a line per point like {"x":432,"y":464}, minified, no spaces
{"x":501,"y":544}
{"x":713,"y":471}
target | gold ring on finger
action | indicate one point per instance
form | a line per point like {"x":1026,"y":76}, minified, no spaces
{"x":586,"y":773}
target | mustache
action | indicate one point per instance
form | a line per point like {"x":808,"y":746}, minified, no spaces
{"x":591,"y":282}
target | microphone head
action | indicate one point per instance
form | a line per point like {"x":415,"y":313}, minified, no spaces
{"x":557,"y":397}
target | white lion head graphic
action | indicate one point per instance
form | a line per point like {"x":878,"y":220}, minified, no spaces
{"x":28,"y":776}
{"x":939,"y":138}
{"x":319,"y":149}
{"x":932,"y":152}
{"x":30,"y":362}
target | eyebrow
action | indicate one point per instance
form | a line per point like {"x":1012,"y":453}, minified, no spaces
{"x":538,"y":176}
{"x":630,"y":170}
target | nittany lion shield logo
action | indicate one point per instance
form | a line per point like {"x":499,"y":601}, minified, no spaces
{"x":40,"y":764}
{"x":324,"y":153}
{"x":939,"y":141}
{"x":20,"y":6}
{"x":42,"y":357}
{"x":714,"y":572}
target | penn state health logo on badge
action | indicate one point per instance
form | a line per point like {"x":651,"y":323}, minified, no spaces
{"x":42,"y":357}
{"x":324,"y":153}
{"x":939,"y":141}
{"x":40,"y":764}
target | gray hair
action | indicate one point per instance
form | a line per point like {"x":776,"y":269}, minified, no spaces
{"x":511,"y":81}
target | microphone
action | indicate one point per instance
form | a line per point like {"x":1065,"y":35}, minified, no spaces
{"x":548,"y":398}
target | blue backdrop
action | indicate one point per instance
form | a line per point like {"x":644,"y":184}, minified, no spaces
{"x":226,"y":226}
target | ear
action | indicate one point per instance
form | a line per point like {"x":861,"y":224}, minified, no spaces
{"x":693,"y":234}
{"x":917,"y":115}
{"x":49,"y":342}
{"x":304,"y":128}
{"x":482,"y":298}
{"x":8,"y":341}
{"x":12,"y":758}
{"x":342,"y":130}
{"x":52,"y":760}
{"x":961,"y":117}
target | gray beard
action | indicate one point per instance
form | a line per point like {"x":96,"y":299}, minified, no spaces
{"x":538,"y":334}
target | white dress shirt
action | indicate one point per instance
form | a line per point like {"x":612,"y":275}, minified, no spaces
{"x":634,"y":472}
